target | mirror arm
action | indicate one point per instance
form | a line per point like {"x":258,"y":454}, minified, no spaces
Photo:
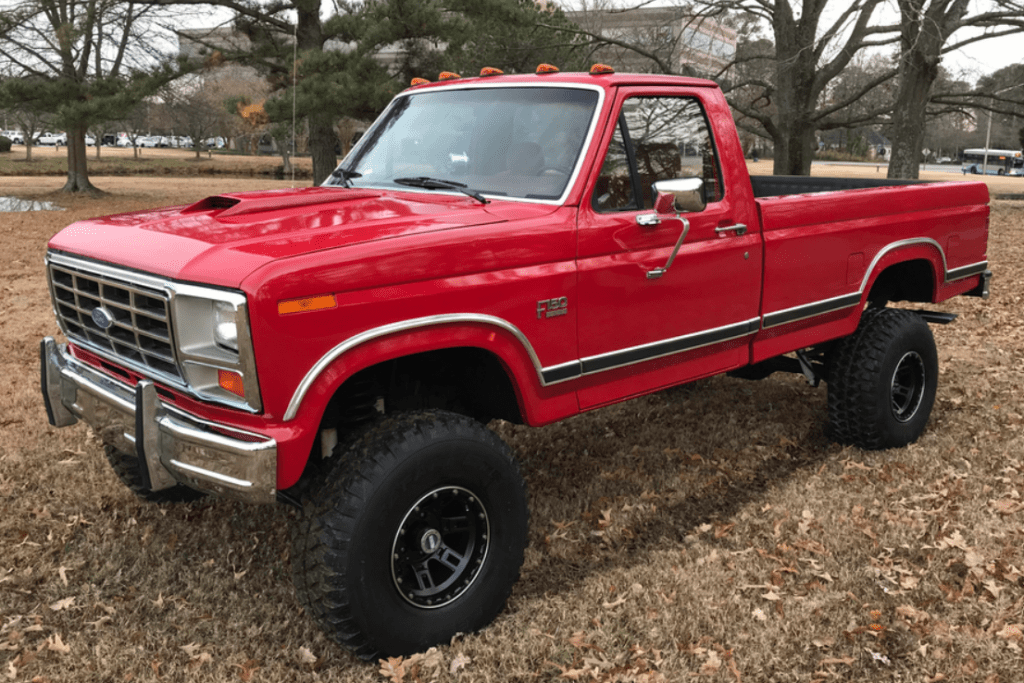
{"x":658,"y":272}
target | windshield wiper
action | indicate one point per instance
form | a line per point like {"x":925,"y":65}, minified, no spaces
{"x":428,"y":183}
{"x":345,"y":175}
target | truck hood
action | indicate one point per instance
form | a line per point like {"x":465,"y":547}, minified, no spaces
{"x":222,"y":239}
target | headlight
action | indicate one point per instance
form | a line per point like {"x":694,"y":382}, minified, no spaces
{"x":225,"y":325}
{"x":211,"y":329}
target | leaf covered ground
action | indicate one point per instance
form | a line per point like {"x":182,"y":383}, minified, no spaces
{"x":710,"y":532}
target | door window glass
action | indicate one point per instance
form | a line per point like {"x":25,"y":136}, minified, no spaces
{"x":658,"y":138}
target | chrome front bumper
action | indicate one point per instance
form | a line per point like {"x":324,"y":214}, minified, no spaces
{"x":174,"y":447}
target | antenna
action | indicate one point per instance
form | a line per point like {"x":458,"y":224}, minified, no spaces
{"x":295,"y":78}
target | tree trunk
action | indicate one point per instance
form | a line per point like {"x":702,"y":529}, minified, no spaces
{"x":28,"y":148}
{"x":917,"y":74}
{"x":795,"y":95}
{"x":794,"y":147}
{"x":78,"y":172}
{"x":322,"y":141}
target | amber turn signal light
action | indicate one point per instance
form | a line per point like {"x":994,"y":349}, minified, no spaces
{"x":231,"y":381}
{"x":448,"y":76}
{"x":546,"y":69}
{"x":418,"y":81}
{"x":490,"y":71}
{"x":309,"y":303}
{"x":599,"y":69}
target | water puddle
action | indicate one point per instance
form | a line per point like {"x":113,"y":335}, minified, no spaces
{"x":12,"y":204}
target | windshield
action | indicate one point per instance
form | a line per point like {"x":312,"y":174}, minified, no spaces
{"x":507,"y":142}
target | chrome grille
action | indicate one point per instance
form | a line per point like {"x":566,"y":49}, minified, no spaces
{"x":140,"y":331}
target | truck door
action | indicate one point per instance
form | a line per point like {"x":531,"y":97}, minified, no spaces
{"x":646,"y":322}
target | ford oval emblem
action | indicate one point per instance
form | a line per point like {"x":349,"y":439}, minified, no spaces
{"x":102,"y":317}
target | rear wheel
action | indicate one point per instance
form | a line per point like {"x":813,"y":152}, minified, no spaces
{"x":126,"y":467}
{"x":417,"y":534}
{"x":882,"y":380}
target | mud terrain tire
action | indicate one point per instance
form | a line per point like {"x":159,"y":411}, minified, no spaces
{"x":126,"y":467}
{"x":882,"y":381}
{"x":416,"y":535}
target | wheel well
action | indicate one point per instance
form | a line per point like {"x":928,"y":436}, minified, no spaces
{"x":466,"y":380}
{"x":907,"y":281}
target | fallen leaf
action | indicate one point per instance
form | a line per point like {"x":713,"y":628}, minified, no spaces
{"x":393,"y":669}
{"x":306,"y":655}
{"x":1012,"y":632}
{"x":610,"y":605}
{"x":848,"y":661}
{"x":200,"y":659}
{"x":62,"y":604}
{"x":1007,"y":506}
{"x":974,"y":558}
{"x":245,"y":671}
{"x":459,"y":662}
{"x":712,"y":665}
{"x":55,"y":644}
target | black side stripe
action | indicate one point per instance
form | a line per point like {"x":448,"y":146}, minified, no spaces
{"x":811,"y":310}
{"x":966,"y":271}
{"x":639,"y":354}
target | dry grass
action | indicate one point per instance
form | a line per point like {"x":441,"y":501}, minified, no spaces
{"x":709,"y":531}
{"x":119,"y":161}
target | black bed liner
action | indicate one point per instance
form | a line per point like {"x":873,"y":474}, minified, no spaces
{"x":779,"y":185}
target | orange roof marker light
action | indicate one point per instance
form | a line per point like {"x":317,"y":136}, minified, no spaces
{"x":546,"y":69}
{"x":599,"y":69}
{"x":419,"y":81}
{"x":309,"y":303}
{"x":448,"y":76}
{"x":491,"y":71}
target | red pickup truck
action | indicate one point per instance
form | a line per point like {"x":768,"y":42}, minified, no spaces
{"x":517,"y":247}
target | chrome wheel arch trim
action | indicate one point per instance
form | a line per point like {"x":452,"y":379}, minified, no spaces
{"x":404,"y":326}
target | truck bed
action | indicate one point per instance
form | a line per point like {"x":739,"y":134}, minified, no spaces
{"x":781,"y":185}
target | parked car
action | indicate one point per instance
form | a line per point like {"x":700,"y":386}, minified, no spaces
{"x":51,"y":139}
{"x":149,"y":141}
{"x":560,"y":243}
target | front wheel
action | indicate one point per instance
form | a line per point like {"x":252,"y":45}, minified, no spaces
{"x":882,"y":381}
{"x":416,"y":535}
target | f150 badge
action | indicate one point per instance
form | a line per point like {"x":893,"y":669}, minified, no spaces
{"x":549,"y":308}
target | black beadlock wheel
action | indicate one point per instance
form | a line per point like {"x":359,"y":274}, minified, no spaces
{"x":126,"y":467}
{"x":882,"y":380}
{"x":417,"y":534}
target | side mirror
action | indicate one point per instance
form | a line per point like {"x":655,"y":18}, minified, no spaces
{"x":680,"y":195}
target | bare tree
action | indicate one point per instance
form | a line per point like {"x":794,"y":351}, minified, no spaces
{"x":779,"y":89}
{"x":84,"y":61}
{"x":30,"y":121}
{"x":194,"y":110}
{"x":928,"y":30}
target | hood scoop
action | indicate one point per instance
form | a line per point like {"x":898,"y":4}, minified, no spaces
{"x":228,"y":205}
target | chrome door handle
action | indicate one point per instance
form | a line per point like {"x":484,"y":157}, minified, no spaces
{"x":739,"y":229}
{"x":648,"y":220}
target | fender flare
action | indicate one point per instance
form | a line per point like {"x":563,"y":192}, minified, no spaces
{"x":895,"y":253}
{"x":322,"y":366}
